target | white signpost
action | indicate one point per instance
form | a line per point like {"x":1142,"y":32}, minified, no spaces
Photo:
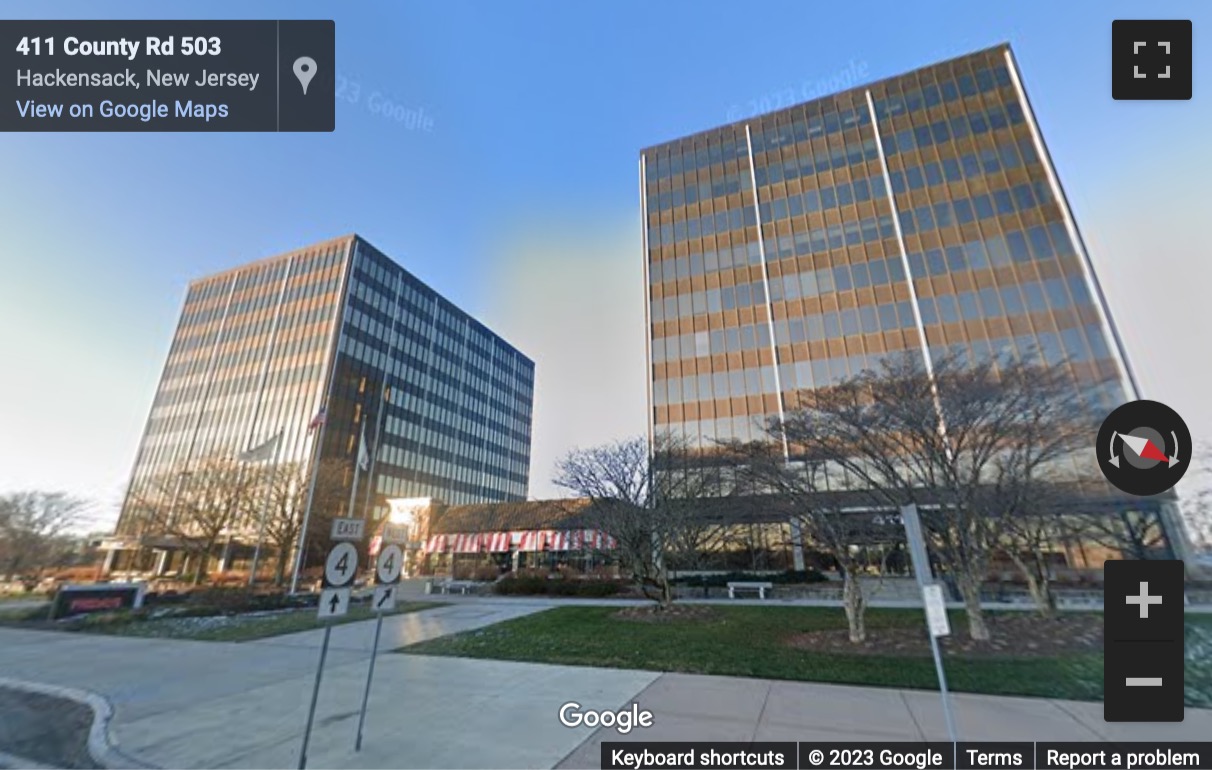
{"x":387,"y":579}
{"x":340,"y":569}
{"x":932,"y":597}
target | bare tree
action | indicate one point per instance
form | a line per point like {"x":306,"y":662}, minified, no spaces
{"x":1135,"y":534}
{"x":816,"y":506}
{"x":216,"y":499}
{"x":1027,"y":539}
{"x":1197,"y":503}
{"x":288,"y":498}
{"x":967,"y":444}
{"x":36,"y":527}
{"x":648,"y":501}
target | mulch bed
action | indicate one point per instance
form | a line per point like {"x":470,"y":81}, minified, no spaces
{"x":45,"y":730}
{"x":651,"y":613}
{"x":1017,"y":635}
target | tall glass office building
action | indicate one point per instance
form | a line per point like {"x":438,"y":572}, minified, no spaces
{"x":918,"y":213}
{"x":336,"y":328}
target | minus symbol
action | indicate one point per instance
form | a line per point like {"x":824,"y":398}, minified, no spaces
{"x":1143,"y":681}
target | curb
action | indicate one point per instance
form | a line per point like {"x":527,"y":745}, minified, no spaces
{"x":12,"y":760}
{"x":101,"y":746}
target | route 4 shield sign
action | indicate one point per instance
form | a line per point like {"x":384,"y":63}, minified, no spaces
{"x":334,"y":602}
{"x":389,"y":565}
{"x":341,"y":565}
{"x":384,"y":598}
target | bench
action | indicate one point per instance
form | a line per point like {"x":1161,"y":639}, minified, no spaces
{"x":761,"y":589}
{"x":462,"y":586}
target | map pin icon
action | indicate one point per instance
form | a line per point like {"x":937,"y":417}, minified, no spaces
{"x":305,"y":70}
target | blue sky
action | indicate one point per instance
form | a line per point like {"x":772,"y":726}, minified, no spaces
{"x":520,"y":203}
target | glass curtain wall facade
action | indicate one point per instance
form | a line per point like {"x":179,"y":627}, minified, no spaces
{"x":446,"y":404}
{"x":920,"y":213}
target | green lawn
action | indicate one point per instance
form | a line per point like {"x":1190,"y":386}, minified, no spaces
{"x":215,"y":628}
{"x":749,"y":641}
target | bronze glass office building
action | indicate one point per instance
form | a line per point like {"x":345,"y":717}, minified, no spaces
{"x":918,"y":213}
{"x":336,"y":328}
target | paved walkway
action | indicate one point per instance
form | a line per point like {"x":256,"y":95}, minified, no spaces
{"x":200,"y":704}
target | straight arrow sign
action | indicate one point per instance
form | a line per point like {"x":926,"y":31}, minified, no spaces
{"x":334,"y":602}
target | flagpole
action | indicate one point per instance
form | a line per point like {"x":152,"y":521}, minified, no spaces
{"x":353,"y":489}
{"x":311,"y":493}
{"x":374,"y":455}
{"x":269,"y":485}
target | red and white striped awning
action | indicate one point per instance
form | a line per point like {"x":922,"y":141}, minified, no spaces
{"x":528,"y":540}
{"x":436,"y":544}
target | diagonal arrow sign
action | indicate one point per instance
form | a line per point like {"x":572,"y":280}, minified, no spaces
{"x":383,"y":599}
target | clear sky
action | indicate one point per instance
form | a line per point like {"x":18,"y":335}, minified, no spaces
{"x":520,"y":203}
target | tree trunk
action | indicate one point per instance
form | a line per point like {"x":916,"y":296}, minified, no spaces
{"x":1046,"y":599}
{"x":203,"y":563}
{"x":855,"y":604}
{"x":970,"y":589}
{"x":280,"y":568}
{"x":1038,"y":583}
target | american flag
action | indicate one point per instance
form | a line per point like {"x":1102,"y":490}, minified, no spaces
{"x":317,"y":421}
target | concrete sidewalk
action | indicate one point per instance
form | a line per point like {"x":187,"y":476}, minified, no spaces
{"x":200,"y":704}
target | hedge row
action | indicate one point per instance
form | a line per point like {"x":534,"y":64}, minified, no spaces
{"x":541,"y":586}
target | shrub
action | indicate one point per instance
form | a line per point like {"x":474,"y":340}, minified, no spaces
{"x":563,"y":587}
{"x":526,"y":585}
{"x":599,"y":588}
{"x":486,"y":572}
{"x":230,"y":580}
{"x":76,"y":575}
{"x":532,"y":585}
{"x":568,"y":571}
{"x":239,"y":600}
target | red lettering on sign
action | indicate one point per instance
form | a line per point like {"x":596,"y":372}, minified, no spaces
{"x":90,"y":604}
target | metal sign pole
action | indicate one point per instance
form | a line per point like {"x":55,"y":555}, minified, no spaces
{"x":370,"y":673}
{"x":340,"y":568}
{"x":388,"y":566}
{"x":315,"y":694}
{"x":925,"y":579}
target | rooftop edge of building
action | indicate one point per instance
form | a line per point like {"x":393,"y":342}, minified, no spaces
{"x":349,"y":240}
{"x":346,"y":240}
{"x":999,"y":47}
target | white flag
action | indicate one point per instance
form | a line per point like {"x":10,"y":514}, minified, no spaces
{"x":263,"y":452}
{"x":363,"y":455}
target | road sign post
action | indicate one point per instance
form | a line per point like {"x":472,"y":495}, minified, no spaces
{"x":932,"y":599}
{"x":340,"y":569}
{"x":387,"y":578}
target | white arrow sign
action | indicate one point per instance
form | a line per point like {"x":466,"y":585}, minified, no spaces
{"x":334,"y":602}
